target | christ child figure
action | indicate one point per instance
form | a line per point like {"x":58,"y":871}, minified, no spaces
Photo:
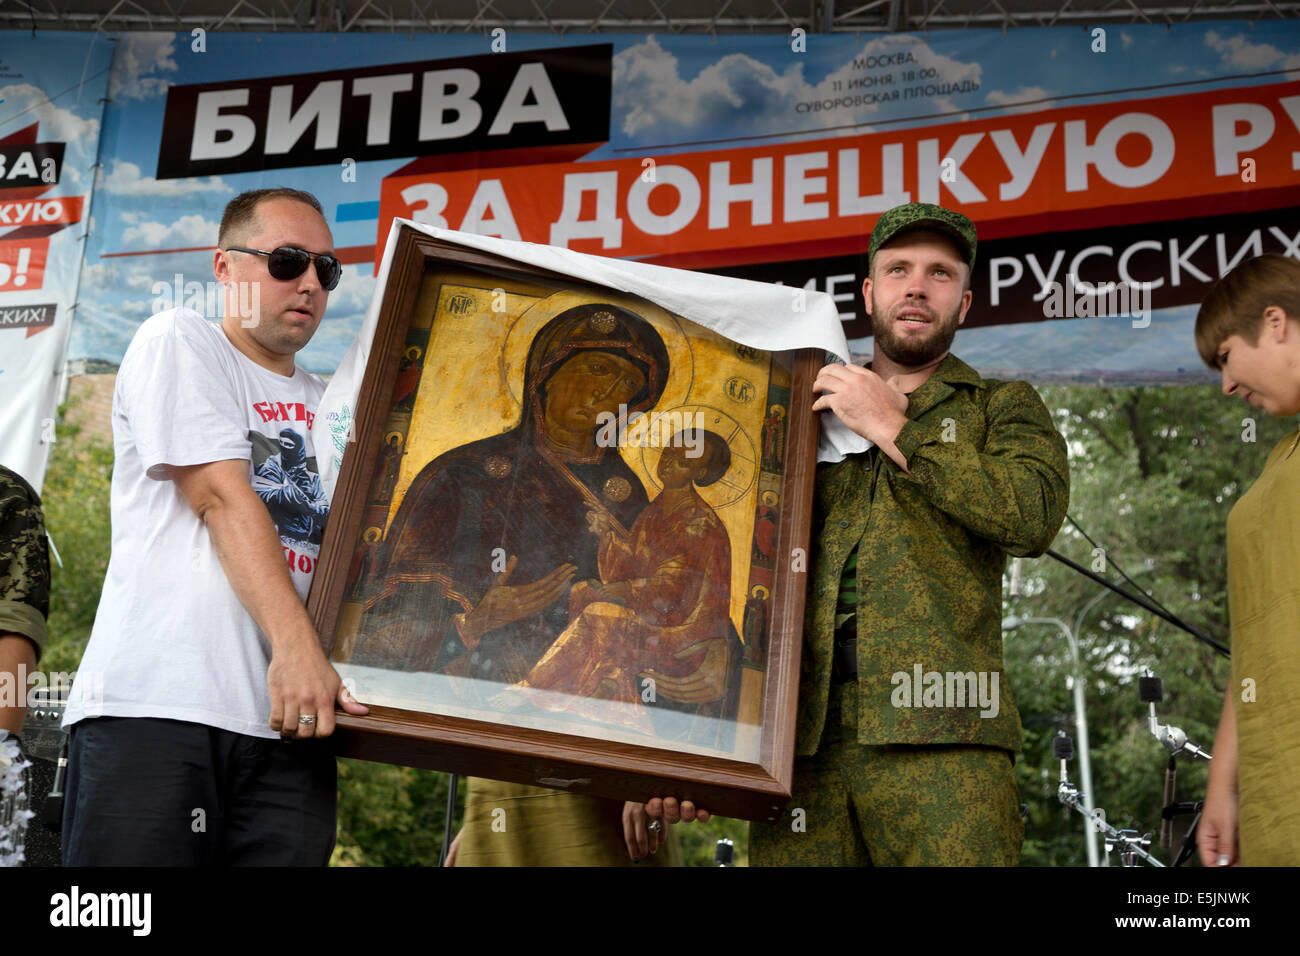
{"x":661,"y":607}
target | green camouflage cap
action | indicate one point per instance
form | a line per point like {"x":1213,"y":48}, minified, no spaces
{"x":924,"y":215}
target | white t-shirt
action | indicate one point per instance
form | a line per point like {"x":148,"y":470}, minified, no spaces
{"x":171,"y":639}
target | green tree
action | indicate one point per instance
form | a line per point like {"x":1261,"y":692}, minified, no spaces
{"x":392,"y":816}
{"x":1154,"y":472}
{"x":75,"y":499}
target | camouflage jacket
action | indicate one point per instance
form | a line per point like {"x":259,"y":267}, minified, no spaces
{"x":988,"y":478}
{"x":24,"y":561}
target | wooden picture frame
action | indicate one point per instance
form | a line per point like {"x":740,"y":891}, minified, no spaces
{"x":481,"y":369}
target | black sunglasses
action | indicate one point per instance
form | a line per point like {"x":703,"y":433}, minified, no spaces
{"x":288,"y":262}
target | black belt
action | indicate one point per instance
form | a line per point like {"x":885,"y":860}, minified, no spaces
{"x":844,"y":659}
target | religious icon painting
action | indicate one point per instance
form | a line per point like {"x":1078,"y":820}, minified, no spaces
{"x":569,"y":545}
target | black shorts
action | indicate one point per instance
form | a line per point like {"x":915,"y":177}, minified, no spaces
{"x":143,"y":791}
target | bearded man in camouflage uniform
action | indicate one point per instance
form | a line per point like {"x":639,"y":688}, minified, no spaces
{"x":907,"y":732}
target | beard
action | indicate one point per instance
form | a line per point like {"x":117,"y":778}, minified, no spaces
{"x":920,"y":347}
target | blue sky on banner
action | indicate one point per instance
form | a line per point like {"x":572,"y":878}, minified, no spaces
{"x":670,"y":93}
{"x":56,"y":84}
{"x":69,"y":114}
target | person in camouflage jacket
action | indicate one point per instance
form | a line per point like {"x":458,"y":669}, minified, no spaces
{"x":906,"y":729}
{"x":24,"y":593}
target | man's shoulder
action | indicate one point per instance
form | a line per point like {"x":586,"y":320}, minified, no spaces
{"x":15,"y":492}
{"x":955,"y":370}
{"x":21,"y":520}
{"x":178,"y":323}
{"x":24,"y":563}
{"x":312,"y":383}
{"x":316,"y":380}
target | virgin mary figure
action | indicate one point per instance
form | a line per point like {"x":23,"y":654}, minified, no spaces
{"x":474,"y":575}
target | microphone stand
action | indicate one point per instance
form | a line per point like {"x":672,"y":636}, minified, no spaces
{"x":724,"y":853}
{"x":1174,"y":739}
{"x":1130,"y":844}
{"x":447,"y":831}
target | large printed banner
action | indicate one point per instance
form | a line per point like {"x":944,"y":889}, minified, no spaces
{"x":1114,"y":174}
{"x":51,"y":97}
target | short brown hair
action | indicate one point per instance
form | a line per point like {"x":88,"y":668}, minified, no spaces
{"x":241,"y":212}
{"x":1236,"y":304}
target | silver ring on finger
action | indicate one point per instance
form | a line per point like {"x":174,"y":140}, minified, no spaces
{"x":306,"y":718}
{"x":656,"y":827}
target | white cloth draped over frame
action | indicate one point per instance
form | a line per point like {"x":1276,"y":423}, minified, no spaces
{"x":757,"y":314}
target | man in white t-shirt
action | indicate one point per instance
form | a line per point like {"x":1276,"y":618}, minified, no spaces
{"x":197,"y":710}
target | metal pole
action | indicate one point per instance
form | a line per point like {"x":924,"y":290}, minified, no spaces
{"x":1080,"y":729}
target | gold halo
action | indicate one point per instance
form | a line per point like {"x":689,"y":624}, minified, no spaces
{"x":414,"y":352}
{"x":388,"y":439}
{"x":744,"y":460}
{"x":514,"y":355}
{"x":758,"y":587}
{"x":372,"y":534}
{"x":771,"y":498}
{"x":777,"y":410}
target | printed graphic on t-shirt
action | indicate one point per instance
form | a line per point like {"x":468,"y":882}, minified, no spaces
{"x":287,"y":480}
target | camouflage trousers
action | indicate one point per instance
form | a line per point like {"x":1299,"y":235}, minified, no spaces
{"x":895,"y":805}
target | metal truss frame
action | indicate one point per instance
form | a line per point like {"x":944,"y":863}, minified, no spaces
{"x":613,"y":16}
